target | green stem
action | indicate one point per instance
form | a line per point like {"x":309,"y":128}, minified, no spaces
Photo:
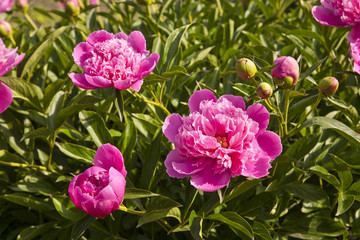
{"x":191,"y":203}
{"x":219,"y":6}
{"x":286,"y":110}
{"x":152,"y":103}
{"x":30,"y":21}
{"x":127,"y":210}
{"x":295,"y":129}
{"x":52,"y":144}
{"x":119,"y":104}
{"x":22,"y":165}
{"x":12,"y":39}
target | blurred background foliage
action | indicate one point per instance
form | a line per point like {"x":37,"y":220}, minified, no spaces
{"x":52,"y":129}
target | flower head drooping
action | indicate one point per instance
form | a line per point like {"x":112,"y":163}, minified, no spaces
{"x":6,"y":5}
{"x":328,"y":86}
{"x":220,"y":140}
{"x":8,"y":59}
{"x":113,"y":60}
{"x":101,"y":188}
{"x":286,"y":73}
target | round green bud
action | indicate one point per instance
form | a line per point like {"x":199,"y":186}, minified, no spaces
{"x":245,"y":68}
{"x":5,"y":28}
{"x":284,"y":83}
{"x":264,"y":90}
{"x":328,"y":86}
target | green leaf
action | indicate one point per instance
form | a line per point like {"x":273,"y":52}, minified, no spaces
{"x":128,"y":141}
{"x":311,"y":69}
{"x":296,"y":94}
{"x":324,"y":174}
{"x":77,"y":152}
{"x":335,"y":125}
{"x":345,"y":201}
{"x":96,"y":127}
{"x":34,"y":58}
{"x":55,"y":106}
{"x":80,"y":226}
{"x":308,"y":192}
{"x":195,"y":223}
{"x":154,"y":78}
{"x":134,"y":193}
{"x":6,"y":156}
{"x":234,"y":220}
{"x":29,"y":201}
{"x":260,"y":231}
{"x":42,"y":132}
{"x":66,"y":208}
{"x":34,"y":231}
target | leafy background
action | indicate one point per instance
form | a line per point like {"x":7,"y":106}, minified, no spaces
{"x":52,"y":129}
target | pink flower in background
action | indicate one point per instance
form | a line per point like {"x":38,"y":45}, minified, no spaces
{"x":6,"y":5}
{"x":94,"y":2}
{"x":113,"y":60}
{"x":220,"y":140}
{"x":101,"y":188}
{"x":22,"y":3}
{"x":8,"y":59}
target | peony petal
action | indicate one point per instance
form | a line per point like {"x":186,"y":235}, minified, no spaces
{"x":354,"y":34}
{"x":117,"y":182}
{"x":171,"y":126}
{"x":79,"y":80}
{"x":327,"y":17}
{"x":137,"y":85}
{"x":98,"y":81}
{"x":107,"y":193}
{"x":122,"y":84}
{"x":260,"y":114}
{"x":108,"y":156}
{"x":97,"y":208}
{"x":75,"y":192}
{"x":137,"y":41}
{"x":257,"y":168}
{"x":189,"y":166}
{"x":270,"y":142}
{"x":171,"y":157}
{"x":6,"y":97}
{"x":99,"y":36}
{"x":148,"y":64}
{"x":121,"y":36}
{"x":237,"y":101}
{"x":198,"y":96}
{"x":207,"y":180}
{"x":79,"y":50}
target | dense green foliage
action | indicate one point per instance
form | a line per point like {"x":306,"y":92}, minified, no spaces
{"x":52,"y":129}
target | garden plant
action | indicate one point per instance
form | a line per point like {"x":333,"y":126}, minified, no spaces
{"x":179,"y":119}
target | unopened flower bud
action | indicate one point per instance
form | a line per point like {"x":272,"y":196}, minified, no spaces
{"x":264,"y":90}
{"x":72,"y":7}
{"x":5,"y":28}
{"x":286,"y":73}
{"x":245,"y":68}
{"x":23,"y":4}
{"x":328,"y":86}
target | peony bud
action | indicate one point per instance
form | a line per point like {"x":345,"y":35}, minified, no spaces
{"x":328,"y":86}
{"x":72,"y":7}
{"x":264,"y":90}
{"x":245,"y":68}
{"x":5,"y":28}
{"x":286,"y":73}
{"x":23,"y":4}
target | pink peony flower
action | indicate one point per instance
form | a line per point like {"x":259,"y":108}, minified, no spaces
{"x":337,"y":13}
{"x":113,"y":60}
{"x":286,"y":73}
{"x":220,"y":140}
{"x":8,"y":59}
{"x":101,"y":188}
{"x":6,"y":5}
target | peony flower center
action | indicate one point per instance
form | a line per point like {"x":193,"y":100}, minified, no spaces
{"x":93,"y":184}
{"x":223,"y":141}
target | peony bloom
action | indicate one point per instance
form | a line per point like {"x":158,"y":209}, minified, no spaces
{"x":337,"y":13}
{"x":8,"y":59}
{"x":101,"y":188}
{"x":113,"y":60}
{"x":286,"y":73}
{"x":6,"y":5}
{"x":220,"y":140}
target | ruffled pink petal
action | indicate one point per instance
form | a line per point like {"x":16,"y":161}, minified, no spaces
{"x":148,"y":64}
{"x":11,"y":62}
{"x":257,"y":168}
{"x":136,"y":86}
{"x":6,"y":97}
{"x":270,"y":142}
{"x":189,"y":166}
{"x":122,"y":84}
{"x":259,"y":113}
{"x":117,"y":182}
{"x":75,"y":192}
{"x":98,"y":81}
{"x":108,"y":156}
{"x":237,"y":101}
{"x":79,"y":80}
{"x":327,"y":17}
{"x":107,"y":193}
{"x":80,"y":49}
{"x":172,"y":157}
{"x":98,"y":208}
{"x":197,"y":97}
{"x":137,"y":41}
{"x":121,"y":36}
{"x":208,"y":181}
{"x":99,"y":36}
{"x":354,"y":34}
{"x":171,"y":126}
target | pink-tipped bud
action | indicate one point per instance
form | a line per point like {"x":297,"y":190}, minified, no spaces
{"x":72,"y":7}
{"x":94,"y":2}
{"x":245,"y":68}
{"x":286,"y":73}
{"x":5,"y":28}
{"x":264,"y":90}
{"x":328,"y":86}
{"x":23,"y":4}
